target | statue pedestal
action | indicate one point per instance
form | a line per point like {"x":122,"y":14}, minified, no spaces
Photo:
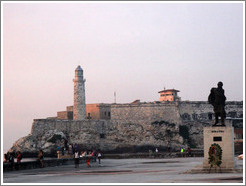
{"x":223,"y":136}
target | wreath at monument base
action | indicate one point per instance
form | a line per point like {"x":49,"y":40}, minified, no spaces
{"x":215,"y":155}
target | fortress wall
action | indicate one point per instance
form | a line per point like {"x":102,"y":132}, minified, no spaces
{"x":143,"y":113}
{"x":234,"y":107}
{"x":174,"y":112}
{"x":146,"y":111}
{"x":131,"y":125}
{"x":195,"y":110}
{"x":105,"y":112}
{"x":94,"y":111}
{"x":41,"y":126}
{"x":200,"y":110}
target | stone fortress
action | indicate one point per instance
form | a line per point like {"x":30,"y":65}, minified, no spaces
{"x":131,"y":127}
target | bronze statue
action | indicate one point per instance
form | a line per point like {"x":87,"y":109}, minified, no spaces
{"x":217,"y":99}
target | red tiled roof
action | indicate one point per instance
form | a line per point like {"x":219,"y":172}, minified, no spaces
{"x":168,"y":90}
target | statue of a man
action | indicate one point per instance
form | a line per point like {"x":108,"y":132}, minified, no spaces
{"x":217,"y":99}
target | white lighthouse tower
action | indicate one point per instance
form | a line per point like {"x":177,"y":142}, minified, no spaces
{"x":79,"y":107}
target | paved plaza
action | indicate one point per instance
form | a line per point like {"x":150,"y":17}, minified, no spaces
{"x":125,"y":171}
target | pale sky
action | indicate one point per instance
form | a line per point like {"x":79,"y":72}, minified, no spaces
{"x":135,"y":49}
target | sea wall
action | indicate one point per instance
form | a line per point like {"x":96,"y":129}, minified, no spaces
{"x":47,"y":163}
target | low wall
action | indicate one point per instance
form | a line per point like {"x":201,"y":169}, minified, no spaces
{"x":153,"y":155}
{"x":47,"y":163}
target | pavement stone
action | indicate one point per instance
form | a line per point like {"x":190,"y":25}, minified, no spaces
{"x":118,"y":171}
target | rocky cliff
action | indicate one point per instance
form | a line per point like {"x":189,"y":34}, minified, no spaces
{"x":107,"y":135}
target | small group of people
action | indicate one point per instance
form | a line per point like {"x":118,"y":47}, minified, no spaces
{"x":9,"y":157}
{"x":67,"y":148}
{"x":87,"y":155}
{"x":188,"y":152}
{"x":77,"y":158}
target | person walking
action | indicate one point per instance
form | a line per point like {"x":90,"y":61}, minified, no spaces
{"x":156,"y":152}
{"x":99,"y":156}
{"x":11,"y":160}
{"x":88,"y":162}
{"x":76,"y":158}
{"x":19,"y":158}
{"x":6,"y":157}
{"x":41,"y":158}
{"x":189,"y":152}
{"x":182,"y":151}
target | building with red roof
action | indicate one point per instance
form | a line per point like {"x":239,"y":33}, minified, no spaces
{"x":169,"y":95}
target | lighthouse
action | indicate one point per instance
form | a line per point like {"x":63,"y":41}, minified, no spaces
{"x":79,"y":107}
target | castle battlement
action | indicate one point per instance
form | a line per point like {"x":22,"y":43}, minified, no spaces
{"x":133,"y":125}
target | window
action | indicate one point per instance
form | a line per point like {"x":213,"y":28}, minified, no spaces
{"x":194,"y":116}
{"x":102,"y":135}
{"x":210,"y":116}
{"x":108,"y":114}
{"x":186,"y":116}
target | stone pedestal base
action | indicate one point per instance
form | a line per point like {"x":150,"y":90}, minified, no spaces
{"x":223,"y":136}
{"x":200,"y":169}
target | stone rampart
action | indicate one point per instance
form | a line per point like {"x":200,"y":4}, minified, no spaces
{"x":202,"y":110}
{"x":41,"y":126}
{"x":173,"y":112}
{"x":146,"y":111}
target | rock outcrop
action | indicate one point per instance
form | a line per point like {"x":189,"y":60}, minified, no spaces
{"x":107,"y":135}
{"x":48,"y":142}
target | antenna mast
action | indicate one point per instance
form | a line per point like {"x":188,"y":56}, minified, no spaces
{"x":114,"y":97}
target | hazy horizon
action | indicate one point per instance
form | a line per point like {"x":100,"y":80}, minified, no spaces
{"x":133,"y":49}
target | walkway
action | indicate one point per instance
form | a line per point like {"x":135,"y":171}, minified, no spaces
{"x":124,"y":171}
